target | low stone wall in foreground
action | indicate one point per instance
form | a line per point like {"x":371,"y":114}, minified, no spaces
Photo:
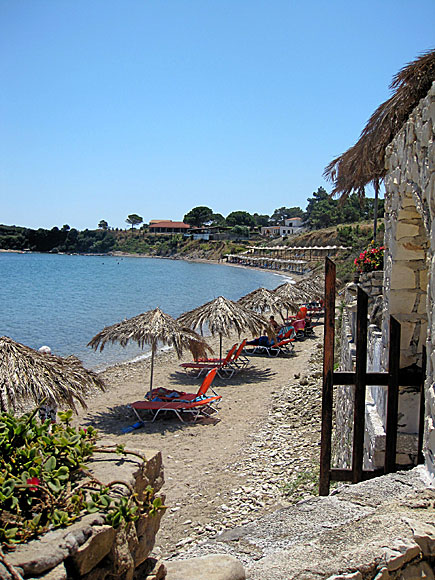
{"x":91,"y":549}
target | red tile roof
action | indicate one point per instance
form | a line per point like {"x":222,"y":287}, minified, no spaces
{"x":168,"y":224}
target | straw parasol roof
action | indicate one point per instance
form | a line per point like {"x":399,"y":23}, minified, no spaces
{"x":152,"y":327}
{"x":365,"y":162}
{"x":263,"y":300}
{"x":223,"y":316}
{"x":292,"y":293}
{"x":28,"y":374}
{"x":312,"y":288}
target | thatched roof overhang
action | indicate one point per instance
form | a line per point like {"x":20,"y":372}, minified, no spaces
{"x":28,"y":375}
{"x":364,"y":163}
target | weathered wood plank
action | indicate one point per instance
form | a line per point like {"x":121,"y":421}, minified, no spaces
{"x":360,"y":386}
{"x":328,"y":370}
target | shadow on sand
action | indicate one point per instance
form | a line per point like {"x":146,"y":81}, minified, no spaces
{"x":121,"y":420}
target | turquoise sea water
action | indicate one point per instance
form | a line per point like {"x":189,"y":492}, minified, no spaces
{"x":63,"y":301}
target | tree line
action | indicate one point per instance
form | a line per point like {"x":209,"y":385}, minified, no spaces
{"x":322,"y":211}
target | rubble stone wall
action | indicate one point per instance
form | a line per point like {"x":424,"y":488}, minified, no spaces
{"x":410,"y":251}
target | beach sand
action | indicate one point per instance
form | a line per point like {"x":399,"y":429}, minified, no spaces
{"x":197,"y":456}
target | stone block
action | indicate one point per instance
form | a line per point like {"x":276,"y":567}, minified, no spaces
{"x":402,"y":302}
{"x":58,"y":573}
{"x":424,"y":536}
{"x":402,"y":276}
{"x":349,"y":576}
{"x":151,"y":569}
{"x":426,"y":133}
{"x":146,"y":530}
{"x":214,"y":567}
{"x":93,"y":551}
{"x":397,"y":556}
{"x":417,"y":571}
{"x":407,"y":230}
{"x":382,"y":574}
{"x":409,"y":251}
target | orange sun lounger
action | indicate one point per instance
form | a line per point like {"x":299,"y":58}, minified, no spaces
{"x":197,"y":404}
{"x":210,"y":364}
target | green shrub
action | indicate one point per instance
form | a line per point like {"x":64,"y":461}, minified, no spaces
{"x":44,"y":483}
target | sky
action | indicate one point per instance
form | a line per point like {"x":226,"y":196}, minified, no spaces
{"x":109,"y":108}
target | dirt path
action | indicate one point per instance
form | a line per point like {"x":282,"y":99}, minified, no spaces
{"x":202,"y":460}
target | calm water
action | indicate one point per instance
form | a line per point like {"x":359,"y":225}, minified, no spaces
{"x":63,"y":301}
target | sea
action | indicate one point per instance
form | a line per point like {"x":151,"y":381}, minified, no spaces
{"x":62,"y":301}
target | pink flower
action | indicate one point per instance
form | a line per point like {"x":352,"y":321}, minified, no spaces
{"x":33,"y":481}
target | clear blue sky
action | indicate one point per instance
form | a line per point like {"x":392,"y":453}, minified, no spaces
{"x":154,"y":107}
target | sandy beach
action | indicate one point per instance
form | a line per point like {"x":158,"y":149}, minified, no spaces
{"x":199,"y":458}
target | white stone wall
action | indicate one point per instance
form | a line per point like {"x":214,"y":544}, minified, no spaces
{"x":410,"y":252}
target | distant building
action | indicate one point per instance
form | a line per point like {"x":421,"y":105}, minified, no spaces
{"x":292,"y":226}
{"x":167,"y":227}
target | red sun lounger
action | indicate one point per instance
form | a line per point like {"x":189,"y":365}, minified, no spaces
{"x":196,"y":405}
{"x":201,"y":367}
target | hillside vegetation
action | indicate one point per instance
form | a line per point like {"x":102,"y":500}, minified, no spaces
{"x":354,"y":236}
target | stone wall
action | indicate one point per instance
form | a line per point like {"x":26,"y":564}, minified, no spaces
{"x":410,"y":254}
{"x":89,"y":549}
{"x":375,"y":419}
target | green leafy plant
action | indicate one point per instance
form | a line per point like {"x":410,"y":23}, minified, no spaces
{"x":370,"y":260}
{"x":44,"y":483}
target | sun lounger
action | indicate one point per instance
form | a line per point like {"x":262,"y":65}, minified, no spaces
{"x":163,"y":394}
{"x":236,"y":364}
{"x":219,"y":360}
{"x":219,"y":365}
{"x":196,"y":405}
{"x":273,"y":350}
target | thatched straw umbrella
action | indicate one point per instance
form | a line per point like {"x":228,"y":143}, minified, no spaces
{"x":152,"y":327}
{"x":222,"y":316}
{"x":364,"y":163}
{"x":311,"y":288}
{"x":292,"y":293}
{"x":28,"y":374}
{"x":263,"y":300}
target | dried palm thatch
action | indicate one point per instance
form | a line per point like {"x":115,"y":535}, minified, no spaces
{"x":151,"y":328}
{"x":312,"y":288}
{"x":26,"y":374}
{"x":263,"y":300}
{"x":364,"y":163}
{"x":223,"y":316}
{"x":292,"y":293}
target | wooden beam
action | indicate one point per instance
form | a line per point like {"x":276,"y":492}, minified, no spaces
{"x":328,"y":370}
{"x":406,"y":377}
{"x":420,"y":455}
{"x":346,"y":474}
{"x":392,"y":397}
{"x":360,"y":386}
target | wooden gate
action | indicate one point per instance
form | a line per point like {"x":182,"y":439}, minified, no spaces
{"x":391,"y":378}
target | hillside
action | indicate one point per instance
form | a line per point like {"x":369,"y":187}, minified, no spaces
{"x":355,"y":236}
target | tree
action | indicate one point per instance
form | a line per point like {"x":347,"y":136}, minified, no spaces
{"x":240,"y":218}
{"x":103,"y":225}
{"x":261,"y":219}
{"x":198,"y":216}
{"x":133,"y":219}
{"x":285,"y":213}
{"x":65,"y":228}
{"x":240,"y":232}
{"x":322,"y":210}
{"x":218,"y":219}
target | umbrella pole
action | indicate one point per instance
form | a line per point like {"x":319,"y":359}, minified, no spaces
{"x":153,"y":350}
